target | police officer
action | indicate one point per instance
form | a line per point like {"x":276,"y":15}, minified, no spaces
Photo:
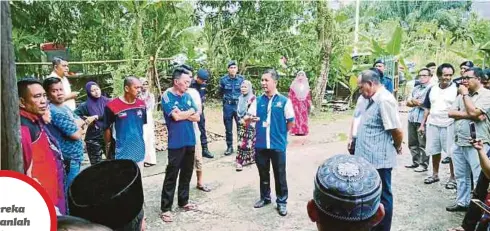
{"x":463,"y":67}
{"x":385,"y":79}
{"x":199,"y":83}
{"x":230,"y":90}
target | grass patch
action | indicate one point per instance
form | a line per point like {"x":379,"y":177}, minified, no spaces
{"x":330,"y":116}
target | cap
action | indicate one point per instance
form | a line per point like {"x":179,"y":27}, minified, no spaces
{"x":108,"y":193}
{"x":203,"y":74}
{"x":467,"y":63}
{"x":187,"y":67}
{"x":378,"y":61}
{"x":231,"y":63}
{"x":347,"y":188}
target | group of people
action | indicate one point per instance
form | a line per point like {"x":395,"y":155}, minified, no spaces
{"x":262,"y":122}
{"x":451,"y":116}
{"x":238,"y":97}
{"x":444,"y":109}
{"x":448,"y":115}
{"x":53,"y":129}
{"x":56,"y":132}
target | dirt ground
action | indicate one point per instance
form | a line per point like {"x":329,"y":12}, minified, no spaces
{"x":230,"y":205}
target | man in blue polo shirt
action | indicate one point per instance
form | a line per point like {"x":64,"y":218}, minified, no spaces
{"x":180,"y":112}
{"x":274,"y":115}
{"x":127,"y":114}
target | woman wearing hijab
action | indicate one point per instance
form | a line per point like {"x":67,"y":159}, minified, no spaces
{"x":299,"y":94}
{"x":246,"y":130}
{"x":94,"y":108}
{"x":149,"y":127}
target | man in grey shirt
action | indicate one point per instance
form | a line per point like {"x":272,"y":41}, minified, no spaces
{"x":379,"y":136}
{"x":470,"y":104}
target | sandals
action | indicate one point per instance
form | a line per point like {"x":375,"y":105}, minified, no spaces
{"x":451,"y":184}
{"x":166,"y":217}
{"x":203,"y":188}
{"x":149,"y":165}
{"x":239,"y":167}
{"x":189,"y":207}
{"x":431,"y":180}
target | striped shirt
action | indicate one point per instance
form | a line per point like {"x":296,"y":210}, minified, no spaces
{"x":416,"y":114}
{"x":374,"y":141}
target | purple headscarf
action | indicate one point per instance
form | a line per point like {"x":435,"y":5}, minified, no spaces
{"x":95,"y":106}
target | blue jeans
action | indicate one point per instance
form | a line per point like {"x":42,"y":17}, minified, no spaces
{"x":72,"y":173}
{"x":466,"y":171}
{"x":386,"y":200}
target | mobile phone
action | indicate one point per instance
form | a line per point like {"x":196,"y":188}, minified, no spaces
{"x":472,"y":130}
{"x":481,"y":205}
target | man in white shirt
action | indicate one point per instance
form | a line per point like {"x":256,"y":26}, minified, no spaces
{"x":439,"y":131}
{"x":60,"y":70}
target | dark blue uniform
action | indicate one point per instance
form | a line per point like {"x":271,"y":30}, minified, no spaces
{"x":230,"y":90}
{"x":201,"y":88}
{"x":388,"y":83}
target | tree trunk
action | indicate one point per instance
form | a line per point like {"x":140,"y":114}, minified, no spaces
{"x":325,"y":31}
{"x":11,"y":149}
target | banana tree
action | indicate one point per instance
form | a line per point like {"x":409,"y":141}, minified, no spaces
{"x":478,"y":52}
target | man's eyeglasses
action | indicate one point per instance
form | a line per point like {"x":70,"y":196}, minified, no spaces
{"x":467,"y":77}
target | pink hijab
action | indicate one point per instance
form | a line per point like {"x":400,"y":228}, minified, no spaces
{"x":300,"y":86}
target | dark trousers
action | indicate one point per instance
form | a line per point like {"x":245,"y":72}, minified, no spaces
{"x":474,"y":213}
{"x":112,"y":150}
{"x":202,"y":128}
{"x":263,"y":159}
{"x":416,"y":144}
{"x":95,"y":149}
{"x":229,"y":113}
{"x":386,"y":200}
{"x":179,"y":160}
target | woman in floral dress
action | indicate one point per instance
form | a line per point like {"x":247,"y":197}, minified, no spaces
{"x":299,"y":94}
{"x":246,"y":130}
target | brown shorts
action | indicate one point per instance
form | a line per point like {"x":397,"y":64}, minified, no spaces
{"x":198,"y":156}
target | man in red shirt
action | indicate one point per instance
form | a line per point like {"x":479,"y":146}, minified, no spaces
{"x":42,"y":156}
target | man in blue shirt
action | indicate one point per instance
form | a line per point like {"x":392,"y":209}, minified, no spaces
{"x":127,"y":114}
{"x":274,"y":115}
{"x":199,"y":83}
{"x":66,"y":128}
{"x":230,"y":90}
{"x":180,"y":112}
{"x":385,"y":79}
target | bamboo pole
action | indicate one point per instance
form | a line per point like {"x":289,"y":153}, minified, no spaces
{"x":91,"y":62}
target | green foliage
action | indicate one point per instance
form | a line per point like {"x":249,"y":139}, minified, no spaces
{"x":255,"y":33}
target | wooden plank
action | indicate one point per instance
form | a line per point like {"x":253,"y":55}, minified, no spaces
{"x":10,"y":131}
